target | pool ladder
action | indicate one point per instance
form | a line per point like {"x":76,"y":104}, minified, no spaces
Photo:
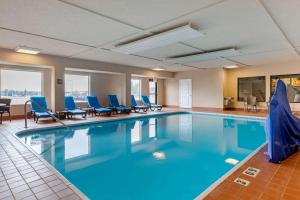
{"x":38,"y":105}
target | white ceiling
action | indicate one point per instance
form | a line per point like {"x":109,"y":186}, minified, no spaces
{"x":264,"y":31}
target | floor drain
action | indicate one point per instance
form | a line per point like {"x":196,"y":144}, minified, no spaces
{"x":242,"y":181}
{"x":251,"y":171}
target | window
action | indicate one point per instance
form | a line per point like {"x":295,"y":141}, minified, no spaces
{"x":77,"y":86}
{"x":20,"y":85}
{"x":153,"y":92}
{"x":252,"y":86}
{"x":136,"y":88}
{"x":292,"y":83}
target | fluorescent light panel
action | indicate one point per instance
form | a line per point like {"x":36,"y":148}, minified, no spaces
{"x":28,"y":50}
{"x":203,"y":56}
{"x":158,"y":69}
{"x":176,"y":35}
{"x":231,"y":66}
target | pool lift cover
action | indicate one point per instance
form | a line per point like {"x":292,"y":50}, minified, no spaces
{"x":282,"y":127}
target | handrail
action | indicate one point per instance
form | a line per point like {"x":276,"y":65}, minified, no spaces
{"x":47,"y":111}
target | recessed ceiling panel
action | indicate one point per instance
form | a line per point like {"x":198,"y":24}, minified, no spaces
{"x":271,"y":57}
{"x":287,"y":15}
{"x":218,"y":63}
{"x":55,"y":19}
{"x":11,"y":39}
{"x":241,"y":24}
{"x":168,"y":51}
{"x":144,"y":13}
{"x":118,"y":58}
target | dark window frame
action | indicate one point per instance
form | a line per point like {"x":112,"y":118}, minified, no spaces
{"x":238,"y":86}
{"x":282,"y":76}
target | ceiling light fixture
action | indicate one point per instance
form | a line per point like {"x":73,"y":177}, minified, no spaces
{"x":231,"y":66}
{"x":203,"y":56}
{"x":158,"y":69}
{"x":172,"y":36}
{"x":28,"y":50}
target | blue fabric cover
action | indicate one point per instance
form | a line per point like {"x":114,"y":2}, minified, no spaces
{"x":42,"y":105}
{"x":44,"y":114}
{"x":146,"y":101}
{"x":114,"y":102}
{"x":282,"y":127}
{"x":135,"y":105}
{"x":77,"y":112}
{"x":70,"y":103}
{"x":102,"y":110}
{"x":94,"y":103}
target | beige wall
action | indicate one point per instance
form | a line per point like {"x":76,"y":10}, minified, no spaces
{"x":207,"y":88}
{"x":266,"y":70}
{"x":58,"y":65}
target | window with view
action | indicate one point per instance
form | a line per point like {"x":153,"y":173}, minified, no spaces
{"x":252,"y":86}
{"x":153,"y":92}
{"x":20,"y":85}
{"x":136,"y":88}
{"x":77,"y":86}
{"x":292,"y":83}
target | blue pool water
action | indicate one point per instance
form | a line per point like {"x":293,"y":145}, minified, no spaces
{"x":174,"y":156}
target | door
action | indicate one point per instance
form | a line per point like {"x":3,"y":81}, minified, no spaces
{"x":185,"y":93}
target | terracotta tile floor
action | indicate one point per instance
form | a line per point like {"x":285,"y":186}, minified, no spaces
{"x":24,"y":176}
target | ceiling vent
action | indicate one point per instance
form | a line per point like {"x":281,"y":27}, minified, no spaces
{"x":172,"y":36}
{"x":203,"y":56}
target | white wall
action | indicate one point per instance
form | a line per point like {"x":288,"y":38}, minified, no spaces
{"x":207,"y":88}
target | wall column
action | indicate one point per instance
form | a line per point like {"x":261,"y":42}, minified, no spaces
{"x":58,"y":88}
{"x":126,"y":89}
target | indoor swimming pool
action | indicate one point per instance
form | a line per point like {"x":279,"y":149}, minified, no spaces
{"x":168,"y":156}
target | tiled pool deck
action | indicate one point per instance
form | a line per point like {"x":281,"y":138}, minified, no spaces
{"x":24,"y":176}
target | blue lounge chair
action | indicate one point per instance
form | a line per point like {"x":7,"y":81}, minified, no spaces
{"x":152,"y":106}
{"x":137,"y":107}
{"x":40,"y":109}
{"x":114,"y":103}
{"x":71,"y":108}
{"x":97,"y":108}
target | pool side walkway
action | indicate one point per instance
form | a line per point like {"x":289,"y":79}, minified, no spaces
{"x":24,"y":176}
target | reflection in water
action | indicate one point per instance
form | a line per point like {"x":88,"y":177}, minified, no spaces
{"x":136,"y":132}
{"x":79,"y":139}
{"x":152,"y":128}
{"x":159,"y":155}
{"x":177,"y":156}
{"x":186,"y":128}
{"x":232,"y":161}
